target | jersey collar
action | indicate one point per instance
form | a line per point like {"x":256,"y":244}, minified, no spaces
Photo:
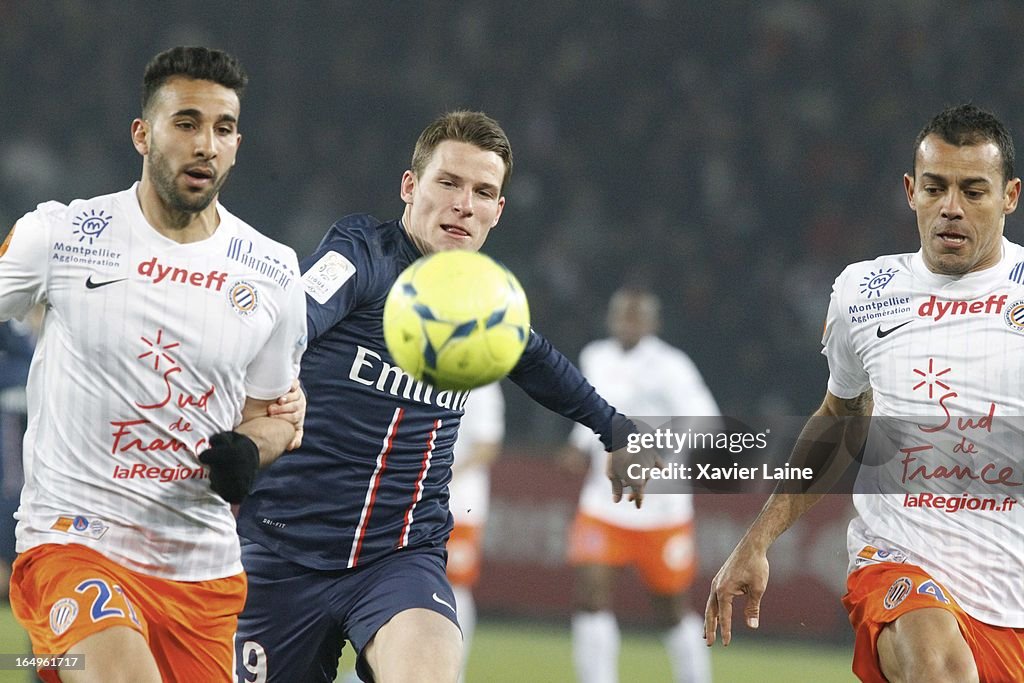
{"x":974,"y":281}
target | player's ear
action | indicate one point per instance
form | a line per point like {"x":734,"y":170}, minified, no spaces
{"x":1012,"y":195}
{"x":908,"y":186}
{"x":140,"y":136}
{"x":408,"y":186}
{"x":497,"y":215}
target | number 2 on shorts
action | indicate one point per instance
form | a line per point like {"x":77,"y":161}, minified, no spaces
{"x":100,"y":609}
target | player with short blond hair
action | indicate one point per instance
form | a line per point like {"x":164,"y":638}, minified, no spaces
{"x":345,"y":538}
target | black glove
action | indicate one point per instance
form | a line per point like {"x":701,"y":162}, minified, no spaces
{"x":233,"y":460}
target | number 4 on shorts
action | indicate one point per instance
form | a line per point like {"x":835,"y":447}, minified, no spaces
{"x":931,"y":588}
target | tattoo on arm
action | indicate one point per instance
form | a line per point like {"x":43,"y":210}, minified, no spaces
{"x":858,"y":405}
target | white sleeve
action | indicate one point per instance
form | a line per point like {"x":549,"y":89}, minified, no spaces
{"x":484,"y":419}
{"x":271,"y":372}
{"x":581,"y":437}
{"x":24,"y":264}
{"x":690,"y":395}
{"x":847,"y":376}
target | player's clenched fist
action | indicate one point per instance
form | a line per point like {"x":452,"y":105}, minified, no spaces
{"x":233,"y":460}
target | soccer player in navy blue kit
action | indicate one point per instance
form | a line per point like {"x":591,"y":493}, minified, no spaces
{"x":345,"y":537}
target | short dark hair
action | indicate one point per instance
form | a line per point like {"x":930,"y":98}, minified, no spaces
{"x":473,"y":127}
{"x":966,"y":124}
{"x":200,"y":63}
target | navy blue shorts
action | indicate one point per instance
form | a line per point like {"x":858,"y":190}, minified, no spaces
{"x":296,"y":619}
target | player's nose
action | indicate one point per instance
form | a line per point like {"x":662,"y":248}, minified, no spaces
{"x":952,"y":206}
{"x":464,"y":202}
{"x":205,"y":140}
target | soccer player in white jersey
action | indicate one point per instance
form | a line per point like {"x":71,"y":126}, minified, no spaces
{"x":481,"y":431}
{"x":644,"y":376}
{"x":171,"y":327}
{"x":928,"y":344}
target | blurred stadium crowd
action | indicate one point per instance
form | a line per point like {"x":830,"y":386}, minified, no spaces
{"x":731,"y":155}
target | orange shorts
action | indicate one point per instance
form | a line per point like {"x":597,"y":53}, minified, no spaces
{"x":878,"y":594}
{"x":62,"y":594}
{"x":665,"y":558}
{"x":464,"y":554}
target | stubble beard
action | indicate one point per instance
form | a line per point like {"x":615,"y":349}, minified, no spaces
{"x":173,"y":198}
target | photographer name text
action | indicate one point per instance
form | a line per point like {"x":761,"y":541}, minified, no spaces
{"x":709,"y":472}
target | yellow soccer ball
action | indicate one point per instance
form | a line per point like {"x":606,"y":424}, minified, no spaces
{"x":456,"y":320}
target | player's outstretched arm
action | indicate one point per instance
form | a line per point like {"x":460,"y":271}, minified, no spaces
{"x":291,"y":407}
{"x":745,"y":572}
{"x":272,"y":435}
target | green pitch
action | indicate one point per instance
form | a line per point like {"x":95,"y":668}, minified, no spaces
{"x":517,"y":652}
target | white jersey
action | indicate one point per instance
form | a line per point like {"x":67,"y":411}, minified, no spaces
{"x":483,"y":422}
{"x":945,"y":354}
{"x":653,"y":379}
{"x":148,"y":348}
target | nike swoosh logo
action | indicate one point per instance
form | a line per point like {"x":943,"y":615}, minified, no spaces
{"x":443,"y":602}
{"x":885,"y":333}
{"x":93,"y":285}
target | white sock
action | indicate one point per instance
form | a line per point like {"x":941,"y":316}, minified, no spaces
{"x":595,"y":647}
{"x":690,"y":657}
{"x":466,"y":612}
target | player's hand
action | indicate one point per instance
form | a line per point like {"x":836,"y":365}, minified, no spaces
{"x":291,"y":407}
{"x":631,"y":470}
{"x":744,"y":573}
{"x":233,"y":460}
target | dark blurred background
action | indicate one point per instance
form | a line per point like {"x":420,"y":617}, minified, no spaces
{"x":734,"y":156}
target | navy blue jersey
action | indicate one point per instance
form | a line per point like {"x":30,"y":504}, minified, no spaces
{"x":372,"y":473}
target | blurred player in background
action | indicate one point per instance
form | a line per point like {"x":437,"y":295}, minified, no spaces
{"x":645,"y":376}
{"x":481,"y":432}
{"x":17,"y":340}
{"x":171,"y":327}
{"x":345,"y":538}
{"x":934,"y":592}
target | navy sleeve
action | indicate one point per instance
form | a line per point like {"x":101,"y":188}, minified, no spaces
{"x":550,"y":379}
{"x":15,"y":357}
{"x":336,"y":273}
